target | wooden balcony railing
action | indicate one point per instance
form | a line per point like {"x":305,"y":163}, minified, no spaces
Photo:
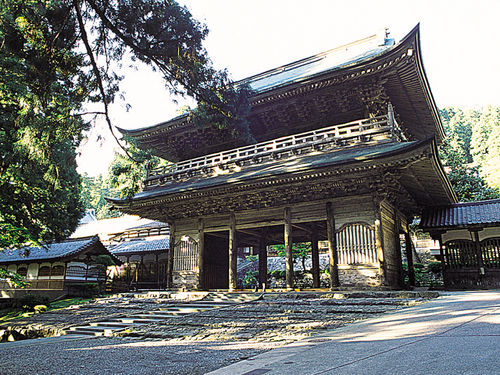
{"x":377,"y":129}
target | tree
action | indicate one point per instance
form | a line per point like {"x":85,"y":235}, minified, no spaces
{"x":58,"y":55}
{"x":300,"y":250}
{"x":465,"y":152}
{"x":94,"y":192}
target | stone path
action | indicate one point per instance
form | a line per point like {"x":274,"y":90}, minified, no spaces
{"x":199,"y":342}
{"x":132,"y":322}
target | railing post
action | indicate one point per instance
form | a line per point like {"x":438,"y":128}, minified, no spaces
{"x":390,"y":119}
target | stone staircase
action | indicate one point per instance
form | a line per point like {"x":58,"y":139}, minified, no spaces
{"x":210,"y":301}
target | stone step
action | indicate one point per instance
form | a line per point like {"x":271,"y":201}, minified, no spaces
{"x":148,"y":316}
{"x":94,"y":331}
{"x":182,"y":310}
{"x":133,"y":320}
{"x":110,"y":324}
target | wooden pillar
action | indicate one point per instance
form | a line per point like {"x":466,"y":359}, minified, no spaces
{"x":170,"y":260}
{"x":379,"y":242}
{"x":315,"y":257}
{"x":288,"y":248}
{"x":201,"y":254}
{"x":263,"y":259}
{"x":480,"y":265}
{"x":409,"y":257}
{"x":128,"y":270}
{"x":157,"y":272}
{"x":332,"y":246}
{"x":442,"y":250}
{"x":397,"y":247}
{"x":233,"y":253}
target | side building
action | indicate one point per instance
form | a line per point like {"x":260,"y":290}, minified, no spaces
{"x":345,"y":152}
{"x":54,"y":269}
{"x":469,"y":242}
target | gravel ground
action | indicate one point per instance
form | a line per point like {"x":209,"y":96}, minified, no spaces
{"x":186,"y":345}
{"x":123,"y":356}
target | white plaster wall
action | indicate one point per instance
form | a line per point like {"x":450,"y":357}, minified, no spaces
{"x":32,"y":271}
{"x":464,"y":234}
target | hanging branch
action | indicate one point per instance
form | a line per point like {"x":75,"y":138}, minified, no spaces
{"x":95,"y":69}
{"x":164,"y":67}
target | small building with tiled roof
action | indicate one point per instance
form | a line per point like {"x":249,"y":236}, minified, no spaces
{"x":469,"y":235}
{"x":144,"y":261}
{"x":53,"y":268}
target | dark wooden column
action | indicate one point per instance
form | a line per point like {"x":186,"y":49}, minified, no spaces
{"x":170,"y":262}
{"x":409,"y":258}
{"x":332,"y":246}
{"x":315,"y":256}
{"x":442,"y":252}
{"x":288,"y":247}
{"x":480,"y":265}
{"x":379,"y":242}
{"x":201,"y":254}
{"x":233,"y":253}
{"x":397,"y":249}
{"x":157,"y":271}
{"x":263,"y":259}
{"x":128,"y":271}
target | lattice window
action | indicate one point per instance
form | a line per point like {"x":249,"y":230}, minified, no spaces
{"x":461,"y":253}
{"x":490,"y":250}
{"x":58,"y":271}
{"x":23,"y":271}
{"x":186,"y":255}
{"x":356,"y":244}
{"x":44,"y":271}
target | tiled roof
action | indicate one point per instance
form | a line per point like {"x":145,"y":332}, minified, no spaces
{"x":140,"y":246}
{"x":153,"y":224}
{"x":49,"y":251}
{"x":334,"y":59}
{"x":483,"y":213}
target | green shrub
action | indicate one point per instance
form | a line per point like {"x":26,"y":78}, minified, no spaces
{"x":434,"y":267}
{"x":40,"y":309}
{"x":250,"y":279}
{"x":29,"y":301}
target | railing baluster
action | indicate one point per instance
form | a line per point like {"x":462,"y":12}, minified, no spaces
{"x":349,"y":131}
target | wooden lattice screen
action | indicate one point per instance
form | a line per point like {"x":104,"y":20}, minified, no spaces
{"x":186,"y":255}
{"x":490,"y":250}
{"x":356,"y":244}
{"x":461,"y":253}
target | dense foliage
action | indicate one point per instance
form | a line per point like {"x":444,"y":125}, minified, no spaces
{"x":471,"y":152}
{"x":58,"y":55}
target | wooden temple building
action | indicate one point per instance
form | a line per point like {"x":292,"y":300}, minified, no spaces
{"x":345,"y":151}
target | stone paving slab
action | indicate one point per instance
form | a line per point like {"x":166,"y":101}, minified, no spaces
{"x":455,"y":334}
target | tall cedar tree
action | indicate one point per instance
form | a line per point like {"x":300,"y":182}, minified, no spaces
{"x":57,"y":55}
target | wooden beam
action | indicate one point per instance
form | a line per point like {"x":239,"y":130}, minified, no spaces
{"x":233,"y":253}
{"x":263,"y":259}
{"x":287,"y":234}
{"x":250,"y":233}
{"x":201,"y":254}
{"x":315,"y":257}
{"x":171,"y":250}
{"x":216,"y":234}
{"x":332,"y":246}
{"x":301,"y":227}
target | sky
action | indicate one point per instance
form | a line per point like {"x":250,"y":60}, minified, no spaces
{"x":460,"y":43}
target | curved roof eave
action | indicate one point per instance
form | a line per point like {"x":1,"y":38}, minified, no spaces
{"x":413,"y":35}
{"x":152,"y":195}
